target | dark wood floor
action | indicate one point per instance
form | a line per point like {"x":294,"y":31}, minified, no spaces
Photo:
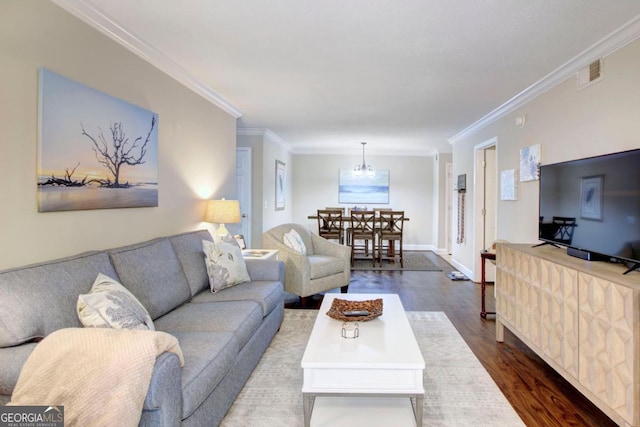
{"x":539,"y":395}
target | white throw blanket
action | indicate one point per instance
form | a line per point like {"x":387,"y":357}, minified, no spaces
{"x":100,"y":376}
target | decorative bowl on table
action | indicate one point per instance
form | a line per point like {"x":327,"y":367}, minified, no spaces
{"x":339,"y":307}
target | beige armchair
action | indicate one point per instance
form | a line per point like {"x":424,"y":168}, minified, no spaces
{"x":326,"y":265}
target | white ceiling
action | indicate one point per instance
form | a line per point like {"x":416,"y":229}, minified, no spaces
{"x":323,"y":75}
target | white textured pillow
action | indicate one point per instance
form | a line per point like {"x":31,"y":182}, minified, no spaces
{"x":293,"y":240}
{"x":225,"y":265}
{"x":111,"y":305}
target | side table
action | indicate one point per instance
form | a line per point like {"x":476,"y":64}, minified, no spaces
{"x":484,"y":256}
{"x":260,"y":254}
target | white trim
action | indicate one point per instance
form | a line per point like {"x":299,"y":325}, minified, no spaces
{"x":266,"y":133}
{"x":370,"y":151}
{"x":98,"y":19}
{"x":614,"y":41}
{"x":462,"y":269}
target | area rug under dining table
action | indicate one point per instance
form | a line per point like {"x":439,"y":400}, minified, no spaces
{"x":458,"y":390}
{"x":413,"y":261}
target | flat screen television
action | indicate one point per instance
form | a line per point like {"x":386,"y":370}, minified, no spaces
{"x":592,"y":206}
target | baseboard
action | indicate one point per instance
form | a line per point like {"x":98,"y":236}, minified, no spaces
{"x":461,"y":268}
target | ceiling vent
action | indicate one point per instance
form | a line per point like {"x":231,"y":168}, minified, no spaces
{"x":590,"y":74}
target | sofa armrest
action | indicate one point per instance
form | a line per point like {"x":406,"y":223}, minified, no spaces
{"x":268,"y":270}
{"x":163,"y":403}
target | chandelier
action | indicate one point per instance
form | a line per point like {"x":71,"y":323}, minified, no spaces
{"x":364,"y":168}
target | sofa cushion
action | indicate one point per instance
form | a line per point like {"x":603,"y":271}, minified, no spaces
{"x":12,"y":359}
{"x":225,"y":265}
{"x":188,"y":249}
{"x":208,"y":356}
{"x":324,"y":265}
{"x":242,"y":318}
{"x":111,"y":305}
{"x":39,"y":299}
{"x":266,"y":293}
{"x":152,"y":272}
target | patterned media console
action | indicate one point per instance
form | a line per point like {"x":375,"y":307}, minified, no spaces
{"x":581,"y":317}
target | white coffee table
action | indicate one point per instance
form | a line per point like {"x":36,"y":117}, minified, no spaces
{"x":384,"y":361}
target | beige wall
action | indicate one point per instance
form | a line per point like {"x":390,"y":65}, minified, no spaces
{"x":264,"y":153}
{"x":196,"y":139}
{"x":411,"y":188}
{"x":568,"y":124}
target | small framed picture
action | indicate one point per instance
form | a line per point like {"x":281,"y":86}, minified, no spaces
{"x":240,"y":239}
{"x":591,"y":197}
{"x":281,"y":185}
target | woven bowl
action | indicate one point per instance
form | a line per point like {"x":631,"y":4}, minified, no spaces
{"x":339,"y":306}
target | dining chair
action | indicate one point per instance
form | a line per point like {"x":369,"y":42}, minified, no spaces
{"x":390,"y":230}
{"x":341,"y":209}
{"x":331,"y":225}
{"x":362,"y":229}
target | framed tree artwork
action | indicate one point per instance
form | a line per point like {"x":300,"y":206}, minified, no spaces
{"x":94,"y":151}
{"x":281,"y":185}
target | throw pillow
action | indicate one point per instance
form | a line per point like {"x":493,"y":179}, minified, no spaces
{"x":293,"y":240}
{"x":111,"y":305}
{"x":225,"y":265}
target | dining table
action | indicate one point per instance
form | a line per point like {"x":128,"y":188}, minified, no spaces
{"x":346,"y":219}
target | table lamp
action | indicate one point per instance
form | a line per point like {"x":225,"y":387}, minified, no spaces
{"x":222,"y":212}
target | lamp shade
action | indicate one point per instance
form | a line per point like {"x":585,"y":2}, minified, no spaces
{"x":222,"y":211}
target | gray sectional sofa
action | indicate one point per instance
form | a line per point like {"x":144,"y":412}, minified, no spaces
{"x":222,"y":335}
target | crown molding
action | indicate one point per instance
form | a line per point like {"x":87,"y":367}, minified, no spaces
{"x":266,"y":133}
{"x":388,"y":152}
{"x":614,"y":41}
{"x":98,"y":19}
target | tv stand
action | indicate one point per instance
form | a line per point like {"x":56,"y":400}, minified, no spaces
{"x":580,"y":317}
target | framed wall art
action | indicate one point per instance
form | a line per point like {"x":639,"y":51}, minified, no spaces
{"x":94,"y":151}
{"x":363,"y":188}
{"x":508,"y":188}
{"x":530,"y":163}
{"x":281,"y":185}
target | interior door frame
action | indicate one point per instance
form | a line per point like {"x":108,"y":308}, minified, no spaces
{"x":245,"y":205}
{"x":479,"y":238}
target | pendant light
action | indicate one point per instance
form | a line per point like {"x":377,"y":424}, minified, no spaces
{"x":364,"y":168}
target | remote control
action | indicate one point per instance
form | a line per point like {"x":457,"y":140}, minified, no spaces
{"x":352,"y":313}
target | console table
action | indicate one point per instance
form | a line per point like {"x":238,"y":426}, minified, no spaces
{"x":263,"y":254}
{"x":484,"y":256}
{"x":581,"y":317}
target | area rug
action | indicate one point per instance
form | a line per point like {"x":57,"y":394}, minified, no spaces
{"x":458,"y":390}
{"x":413,"y":261}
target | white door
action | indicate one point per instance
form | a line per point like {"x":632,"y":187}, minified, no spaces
{"x":243,"y":188}
{"x":485,"y":201}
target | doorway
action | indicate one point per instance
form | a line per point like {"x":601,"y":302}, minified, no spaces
{"x":243,"y":190}
{"x":485,"y":204}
